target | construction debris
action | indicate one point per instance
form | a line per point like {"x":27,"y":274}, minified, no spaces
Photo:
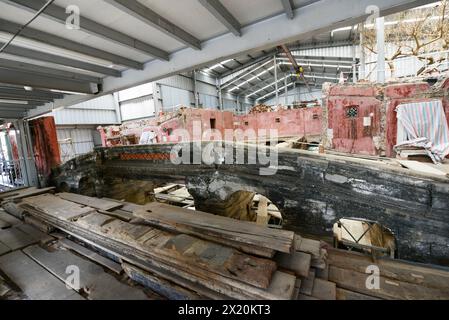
{"x":260,"y":108}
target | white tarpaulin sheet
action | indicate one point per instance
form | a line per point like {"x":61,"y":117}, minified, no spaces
{"x":424,"y":124}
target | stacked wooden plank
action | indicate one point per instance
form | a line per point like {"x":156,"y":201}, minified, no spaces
{"x":398,"y":280}
{"x":202,"y":258}
{"x":245,"y":236}
{"x":185,"y":254}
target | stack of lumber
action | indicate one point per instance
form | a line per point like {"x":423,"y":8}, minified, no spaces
{"x":183,"y":254}
{"x":399,"y":280}
{"x":172,"y":252}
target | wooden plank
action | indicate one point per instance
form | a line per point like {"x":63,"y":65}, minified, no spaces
{"x":421,"y":167}
{"x":145,"y":256}
{"x":324,"y":290}
{"x":93,"y":280}
{"x":9,"y":219}
{"x":262,"y":213}
{"x":36,"y":234}
{"x":389,"y":289}
{"x":16,"y":239}
{"x":414,"y":273}
{"x":119,"y":214}
{"x":165,"y":288}
{"x":343,"y":294}
{"x":203,"y":224}
{"x":36,"y":282}
{"x":283,"y":285}
{"x":298,"y":262}
{"x":43,"y":227}
{"x":296,"y":294}
{"x":174,"y":278}
{"x":13,"y":209}
{"x":91,"y":255}
{"x":306,"y":297}
{"x":4,"y":249}
{"x":225,"y":261}
{"x":57,"y":207}
{"x":100,"y":204}
{"x":307,"y":284}
{"x":297,"y":242}
{"x":310,"y":246}
{"x":15,"y":191}
{"x":4,"y":224}
{"x":24,"y":193}
{"x":323,"y":273}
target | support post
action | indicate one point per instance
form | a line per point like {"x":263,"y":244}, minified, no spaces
{"x":220,"y":97}
{"x":276,"y":79}
{"x":118,"y":110}
{"x":380,"y":30}
{"x":195,"y":89}
{"x":362,"y":71}
{"x":26,"y":156}
{"x":354,"y":64}
{"x":286,"y":90}
{"x":157,"y":98}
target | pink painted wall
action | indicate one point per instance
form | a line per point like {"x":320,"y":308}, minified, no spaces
{"x":350,"y":135}
{"x":288,"y":123}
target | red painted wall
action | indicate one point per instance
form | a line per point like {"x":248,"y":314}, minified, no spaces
{"x":351,"y":136}
{"x":288,"y":123}
{"x":45,"y":146}
{"x":297,"y":122}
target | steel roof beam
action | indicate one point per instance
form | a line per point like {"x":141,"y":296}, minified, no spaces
{"x":59,"y":14}
{"x":264,"y":58}
{"x":56,"y":59}
{"x":148,"y":16}
{"x":17,"y":105}
{"x":44,"y":81}
{"x":19,"y":108}
{"x":288,"y":8}
{"x":28,"y":67}
{"x":11,"y":114}
{"x":222,"y":14}
{"x":14,"y":92}
{"x":31,"y":100}
{"x":316,"y":18}
{"x":48,"y":38}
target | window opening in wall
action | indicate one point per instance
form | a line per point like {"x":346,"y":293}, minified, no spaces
{"x":212,"y":124}
{"x":352,"y":112}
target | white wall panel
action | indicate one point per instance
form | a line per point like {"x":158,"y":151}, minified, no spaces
{"x":136,"y":92}
{"x":84,"y":117}
{"x":74,"y":142}
{"x":106,"y":102}
{"x":138,"y":108}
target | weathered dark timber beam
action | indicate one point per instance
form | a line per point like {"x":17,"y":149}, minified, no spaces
{"x":312,"y":191}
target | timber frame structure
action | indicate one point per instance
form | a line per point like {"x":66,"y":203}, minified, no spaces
{"x":312,"y":191}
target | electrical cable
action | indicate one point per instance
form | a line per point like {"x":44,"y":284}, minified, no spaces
{"x":26,"y":25}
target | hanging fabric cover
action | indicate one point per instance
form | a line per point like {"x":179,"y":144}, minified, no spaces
{"x":424,"y":125}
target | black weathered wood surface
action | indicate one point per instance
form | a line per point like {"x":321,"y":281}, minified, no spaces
{"x":312,"y":191}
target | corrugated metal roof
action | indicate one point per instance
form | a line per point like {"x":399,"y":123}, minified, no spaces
{"x":120,"y":40}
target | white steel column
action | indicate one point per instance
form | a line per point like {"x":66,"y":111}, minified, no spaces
{"x":276,"y":79}
{"x":380,"y":30}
